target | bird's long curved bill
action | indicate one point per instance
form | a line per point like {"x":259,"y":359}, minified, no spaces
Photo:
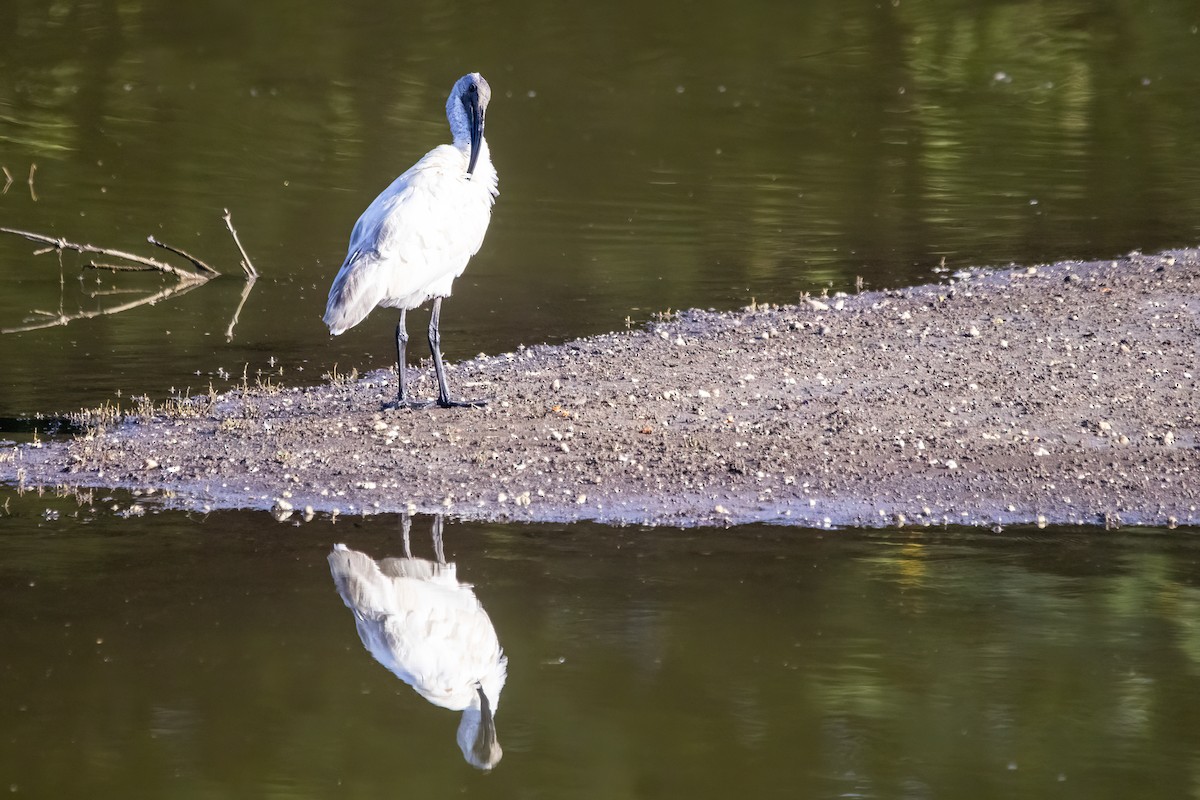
{"x":487,"y":728}
{"x":475,"y":117}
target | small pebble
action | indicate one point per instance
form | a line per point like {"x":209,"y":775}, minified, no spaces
{"x":281,"y":510}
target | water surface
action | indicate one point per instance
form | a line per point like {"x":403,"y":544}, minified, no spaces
{"x":185,"y":655}
{"x":650,"y":158}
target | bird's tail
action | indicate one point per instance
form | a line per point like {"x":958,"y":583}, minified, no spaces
{"x":358,"y":579}
{"x":356,"y":290}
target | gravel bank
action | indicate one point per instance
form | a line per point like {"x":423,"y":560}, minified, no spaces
{"x":1064,"y":393}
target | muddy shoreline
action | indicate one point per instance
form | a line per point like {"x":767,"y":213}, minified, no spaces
{"x":1062,"y":393}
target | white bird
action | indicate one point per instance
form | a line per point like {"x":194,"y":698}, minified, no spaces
{"x":417,"y":620}
{"x":418,"y":235}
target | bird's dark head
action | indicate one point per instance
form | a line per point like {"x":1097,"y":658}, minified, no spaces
{"x":477,"y":734}
{"x":466,"y":108}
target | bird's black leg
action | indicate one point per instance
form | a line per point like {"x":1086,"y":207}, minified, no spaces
{"x":439,"y":550}
{"x":405,"y":527}
{"x":403,"y":399}
{"x":435,"y":347}
{"x":401,"y":344}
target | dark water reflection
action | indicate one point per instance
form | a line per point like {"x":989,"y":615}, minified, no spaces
{"x":181,"y":655}
{"x":760,"y":151}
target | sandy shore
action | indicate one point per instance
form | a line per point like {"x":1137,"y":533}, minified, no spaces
{"x":1058,"y":394}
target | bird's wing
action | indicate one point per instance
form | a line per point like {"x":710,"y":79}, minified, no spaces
{"x":442,"y":649}
{"x":436,"y":638}
{"x":412,"y":241}
{"x":421,"y":569}
{"x":365,"y":277}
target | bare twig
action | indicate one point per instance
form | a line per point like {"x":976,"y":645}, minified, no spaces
{"x":32,"y":171}
{"x":60,"y":319}
{"x":247,"y":265}
{"x":63,"y":244}
{"x":200,"y":265}
{"x":8,"y":178}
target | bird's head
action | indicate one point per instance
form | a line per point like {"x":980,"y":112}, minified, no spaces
{"x":477,"y":733}
{"x":465,"y":109}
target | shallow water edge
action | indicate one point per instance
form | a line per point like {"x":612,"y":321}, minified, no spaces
{"x":1055,"y":394}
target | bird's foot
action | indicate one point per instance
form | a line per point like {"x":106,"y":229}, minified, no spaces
{"x":446,"y":402}
{"x":408,"y":403}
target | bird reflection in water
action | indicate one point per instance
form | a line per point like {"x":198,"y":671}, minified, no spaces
{"x":419,"y":621}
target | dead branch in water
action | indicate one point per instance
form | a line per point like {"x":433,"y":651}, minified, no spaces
{"x":32,"y":193}
{"x":200,"y":265}
{"x":251,"y":276}
{"x":247,"y":266}
{"x":187,"y":279}
{"x":8,"y":178}
{"x":147,"y":263}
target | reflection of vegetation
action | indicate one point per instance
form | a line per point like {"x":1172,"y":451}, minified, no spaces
{"x":871,"y":136}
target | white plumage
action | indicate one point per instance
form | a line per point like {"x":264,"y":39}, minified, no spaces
{"x":418,"y":235}
{"x":417,"y":620}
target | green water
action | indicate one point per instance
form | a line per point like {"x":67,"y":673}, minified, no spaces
{"x":651,"y":157}
{"x":187,"y":656}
